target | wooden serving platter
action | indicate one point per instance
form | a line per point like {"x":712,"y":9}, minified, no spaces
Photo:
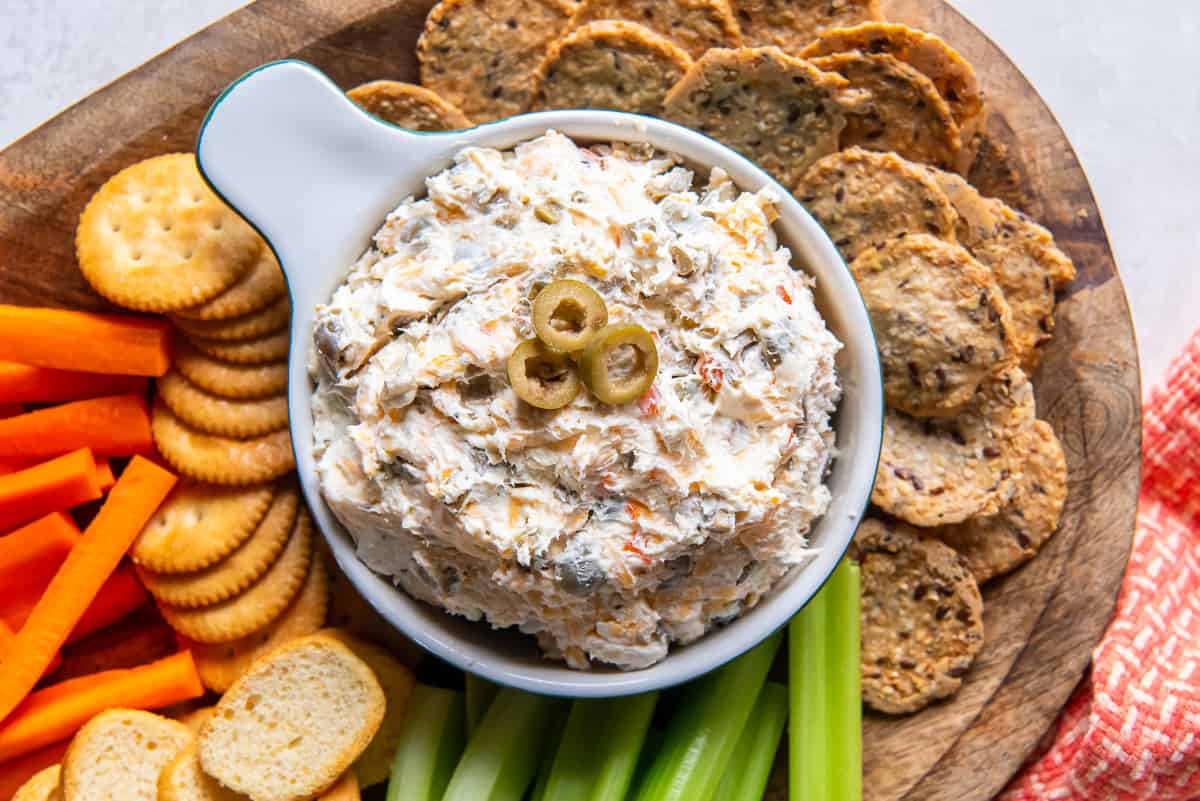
{"x":1042,"y":621}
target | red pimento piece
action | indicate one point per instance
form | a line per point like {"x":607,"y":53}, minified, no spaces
{"x":711,"y":375}
{"x":783,"y":293}
{"x":648,"y":403}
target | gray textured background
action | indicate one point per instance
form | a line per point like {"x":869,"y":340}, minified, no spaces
{"x":1121,"y":75}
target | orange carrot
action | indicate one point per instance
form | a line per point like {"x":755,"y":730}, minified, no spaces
{"x":95,"y":343}
{"x":140,"y":638}
{"x":138,"y":492}
{"x":116,"y":425}
{"x":119,"y":596}
{"x":10,"y":409}
{"x":6,"y":639}
{"x":49,"y":715}
{"x":27,"y":383}
{"x":30,"y":555}
{"x":18,"y":771}
{"x":47,"y":487}
{"x":104,"y":474}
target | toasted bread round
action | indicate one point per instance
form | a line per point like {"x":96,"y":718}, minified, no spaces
{"x":183,"y":780}
{"x":42,"y":786}
{"x":119,"y":754}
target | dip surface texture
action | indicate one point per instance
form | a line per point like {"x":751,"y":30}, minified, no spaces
{"x":608,"y":532}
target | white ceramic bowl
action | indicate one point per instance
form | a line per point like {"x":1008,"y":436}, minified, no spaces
{"x":316,"y":176}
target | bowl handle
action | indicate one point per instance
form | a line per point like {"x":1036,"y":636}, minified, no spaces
{"x":310,"y":170}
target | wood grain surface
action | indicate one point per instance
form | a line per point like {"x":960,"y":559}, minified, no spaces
{"x":1042,"y":621}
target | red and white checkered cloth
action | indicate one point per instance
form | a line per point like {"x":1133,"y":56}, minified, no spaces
{"x":1131,"y":732}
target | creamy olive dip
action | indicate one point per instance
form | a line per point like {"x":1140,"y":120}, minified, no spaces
{"x":607,"y":531}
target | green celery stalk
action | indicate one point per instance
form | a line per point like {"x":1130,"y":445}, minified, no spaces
{"x":480,"y":693}
{"x":701,"y":737}
{"x":430,"y":744}
{"x":599,"y":750}
{"x":538,"y":793}
{"x":826,"y":730}
{"x":750,"y":768}
{"x":502,"y":755}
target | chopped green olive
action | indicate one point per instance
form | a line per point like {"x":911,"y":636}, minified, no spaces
{"x":542,"y":377}
{"x":620,"y":364}
{"x":567,"y":315}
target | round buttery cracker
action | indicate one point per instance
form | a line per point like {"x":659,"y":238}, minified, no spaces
{"x":936,"y":471}
{"x":261,"y":285}
{"x":227,"y":380}
{"x":239,"y":569}
{"x":198,"y":525}
{"x":216,"y":415}
{"x":939,"y":320}
{"x":611,"y":65}
{"x":793,"y":24}
{"x":221,"y":664}
{"x":998,"y":543}
{"x":253,"y":609}
{"x":779,"y":111}
{"x":903,"y":112}
{"x":156,"y":238}
{"x":483,"y":63}
{"x":863,"y":199}
{"x":269,"y":319}
{"x":922,"y":618}
{"x":408,"y":106}
{"x":220,"y":460}
{"x":260,"y":350}
{"x":695,"y":25}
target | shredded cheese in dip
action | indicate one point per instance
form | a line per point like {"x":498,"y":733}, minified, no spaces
{"x":608,"y":532}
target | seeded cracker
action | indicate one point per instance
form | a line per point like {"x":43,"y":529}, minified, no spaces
{"x":262,"y":350}
{"x":939,"y":319}
{"x":198,"y":525}
{"x":792,"y":24}
{"x":216,"y":415}
{"x":267,"y":320}
{"x":779,"y":111}
{"x":254,"y":609}
{"x":938,"y":471}
{"x":155,"y":237}
{"x":695,"y":25}
{"x":262,"y":284}
{"x":481,"y":56}
{"x":903,"y":114}
{"x":239,"y":569}
{"x":922,"y":618}
{"x":408,"y":106}
{"x":220,"y":460}
{"x":863,"y":199}
{"x":233,"y":381}
{"x":610,"y":65}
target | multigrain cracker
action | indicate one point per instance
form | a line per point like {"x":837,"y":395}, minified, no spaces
{"x":937,"y":471}
{"x":408,"y":106}
{"x":482,"y":58}
{"x":999,"y":543}
{"x":779,"y":111}
{"x":216,"y":415}
{"x":922,"y":618}
{"x":42,"y":786}
{"x":238,"y":570}
{"x":119,"y":754}
{"x":220,"y":460}
{"x":233,"y":381}
{"x":156,"y":238}
{"x":255,"y":608}
{"x":610,"y":65}
{"x":183,"y":780}
{"x":864,"y":199}
{"x":695,"y":25}
{"x":903,"y":112}
{"x":198,"y":525}
{"x":940,"y":322}
{"x":261,"y":285}
{"x":793,"y":24}
{"x":261,"y":350}
{"x":267,"y":320}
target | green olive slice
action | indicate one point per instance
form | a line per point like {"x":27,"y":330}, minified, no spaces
{"x":542,"y":377}
{"x":620,"y":364}
{"x":567,"y":315}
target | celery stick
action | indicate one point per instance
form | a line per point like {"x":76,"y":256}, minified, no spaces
{"x":750,"y":768}
{"x":543,"y":775}
{"x":846,"y":692}
{"x":599,"y":749}
{"x":480,"y":693}
{"x":704,"y":731}
{"x":430,"y":744}
{"x":503,"y":753}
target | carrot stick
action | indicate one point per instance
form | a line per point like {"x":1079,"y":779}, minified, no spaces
{"x":6,"y":639}
{"x":47,"y":487}
{"x":138,"y":492}
{"x":18,"y":771}
{"x":140,"y":638}
{"x":49,"y":715}
{"x":117,"y":425}
{"x":28,"y":383}
{"x":119,"y":596}
{"x":97,"y":343}
{"x":30,"y":555}
{"x":10,"y":409}
{"x":104,"y":474}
